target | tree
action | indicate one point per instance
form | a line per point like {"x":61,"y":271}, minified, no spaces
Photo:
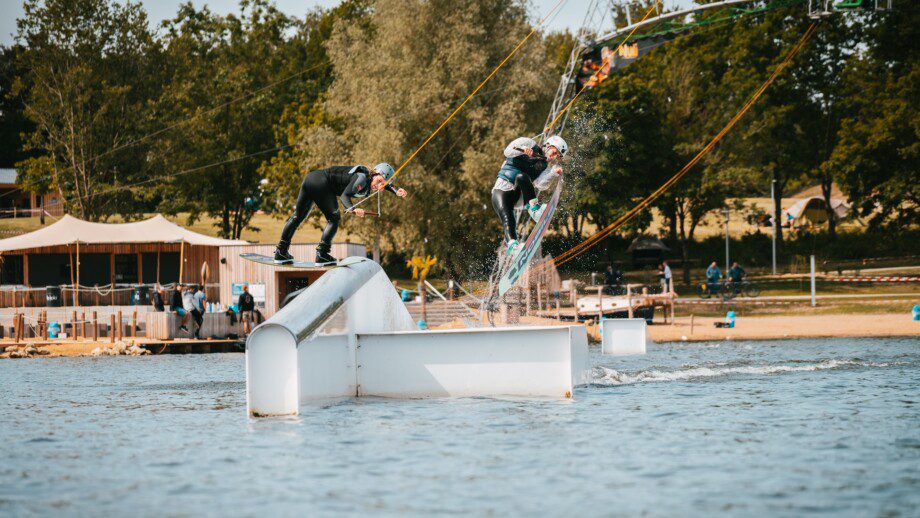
{"x":396,"y":80}
{"x":215,"y":65}
{"x":89,"y":79}
{"x":877,"y":150}
{"x":13,"y":122}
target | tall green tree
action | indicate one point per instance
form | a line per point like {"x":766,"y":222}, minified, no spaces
{"x":396,"y":80}
{"x":13,"y":122}
{"x":90,"y":74}
{"x":878,"y":146}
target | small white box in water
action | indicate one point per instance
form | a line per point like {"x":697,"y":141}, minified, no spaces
{"x":623,"y":336}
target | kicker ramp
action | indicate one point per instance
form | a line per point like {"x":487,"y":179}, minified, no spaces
{"x":350,"y":335}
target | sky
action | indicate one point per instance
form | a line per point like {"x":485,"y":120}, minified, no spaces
{"x":570,"y":17}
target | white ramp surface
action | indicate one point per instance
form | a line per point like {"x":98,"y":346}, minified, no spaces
{"x":522,"y":361}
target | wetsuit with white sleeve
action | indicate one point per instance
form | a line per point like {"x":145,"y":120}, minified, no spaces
{"x":518,"y":179}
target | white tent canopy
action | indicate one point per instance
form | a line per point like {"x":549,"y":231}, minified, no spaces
{"x":69,"y":230}
{"x":814,"y":209}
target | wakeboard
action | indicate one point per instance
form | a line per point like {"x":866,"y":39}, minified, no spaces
{"x":270,"y":261}
{"x":518,"y":263}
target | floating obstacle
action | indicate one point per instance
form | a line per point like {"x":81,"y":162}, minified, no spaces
{"x":350,"y":335}
{"x":623,"y":336}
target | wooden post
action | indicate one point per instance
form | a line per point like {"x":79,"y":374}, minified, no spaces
{"x":600,"y":304}
{"x":672,"y":296}
{"x":73,"y":272}
{"x":134,"y":324}
{"x":83,"y":324}
{"x":95,"y":328}
{"x":181,"y":259}
{"x":691,"y":325}
{"x":77,"y":287}
{"x":421,"y":292}
{"x":22,"y":332}
{"x":118,"y":330}
{"x":158,"y":264}
{"x":112,"y":276}
{"x":73,"y":325}
{"x":629,"y":300}
{"x":112,"y":328}
{"x":539,"y":296}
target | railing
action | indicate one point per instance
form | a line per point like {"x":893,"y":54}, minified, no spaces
{"x":105,"y":295}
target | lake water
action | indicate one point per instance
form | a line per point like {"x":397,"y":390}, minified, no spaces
{"x":739,"y":428}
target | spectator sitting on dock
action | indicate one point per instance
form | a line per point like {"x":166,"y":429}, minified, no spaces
{"x":188,"y":304}
{"x":247,"y":306}
{"x":177,"y":305}
{"x":713,"y":276}
{"x":158,"y":299}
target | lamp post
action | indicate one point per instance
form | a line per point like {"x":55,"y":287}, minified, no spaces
{"x":773,"y":219}
{"x":726,"y":211}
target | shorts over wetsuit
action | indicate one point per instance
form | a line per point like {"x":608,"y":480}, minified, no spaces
{"x":321,"y":187}
{"x":518,"y":179}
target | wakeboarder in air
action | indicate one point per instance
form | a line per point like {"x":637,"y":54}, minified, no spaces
{"x":525,"y":169}
{"x":320,"y":188}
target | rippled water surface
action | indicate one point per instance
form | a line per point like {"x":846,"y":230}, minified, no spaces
{"x":785,"y":428}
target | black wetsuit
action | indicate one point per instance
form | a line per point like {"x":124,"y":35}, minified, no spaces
{"x":321,"y":187}
{"x":521,"y":171}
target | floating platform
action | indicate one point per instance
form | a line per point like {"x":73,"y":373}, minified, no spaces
{"x":623,"y":336}
{"x":349,"y":335}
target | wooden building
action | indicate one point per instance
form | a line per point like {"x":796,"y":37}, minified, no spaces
{"x":99,"y":263}
{"x":270,"y":284}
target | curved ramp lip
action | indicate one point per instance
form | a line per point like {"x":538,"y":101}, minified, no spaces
{"x":268,"y":324}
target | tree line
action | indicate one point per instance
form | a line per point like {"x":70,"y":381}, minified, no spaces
{"x":223,"y":115}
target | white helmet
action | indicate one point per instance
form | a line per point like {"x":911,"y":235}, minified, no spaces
{"x":385,"y":170}
{"x":559,"y":143}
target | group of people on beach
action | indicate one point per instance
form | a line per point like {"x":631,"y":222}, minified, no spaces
{"x":524,"y":171}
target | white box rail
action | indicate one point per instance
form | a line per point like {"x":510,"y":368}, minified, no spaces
{"x":623,"y":336}
{"x":349,"y":335}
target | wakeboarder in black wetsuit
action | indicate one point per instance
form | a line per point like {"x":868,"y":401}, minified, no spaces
{"x":524,"y":171}
{"x":321,"y":187}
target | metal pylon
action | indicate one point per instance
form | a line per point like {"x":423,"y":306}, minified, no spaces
{"x":599,"y":13}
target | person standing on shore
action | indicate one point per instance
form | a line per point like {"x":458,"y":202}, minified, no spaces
{"x":247,"y":306}
{"x":665,"y":277}
{"x":200,"y":300}
{"x":713,"y":276}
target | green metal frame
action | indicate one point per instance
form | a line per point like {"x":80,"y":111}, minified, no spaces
{"x":733,"y":13}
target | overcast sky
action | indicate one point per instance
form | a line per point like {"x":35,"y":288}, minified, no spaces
{"x":571,"y":16}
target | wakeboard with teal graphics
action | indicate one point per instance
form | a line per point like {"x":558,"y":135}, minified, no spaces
{"x":521,"y":260}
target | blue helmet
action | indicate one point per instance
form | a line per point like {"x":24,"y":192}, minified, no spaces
{"x":385,"y":170}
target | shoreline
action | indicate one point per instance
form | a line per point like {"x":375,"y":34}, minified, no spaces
{"x":749,"y":328}
{"x":784,"y":327}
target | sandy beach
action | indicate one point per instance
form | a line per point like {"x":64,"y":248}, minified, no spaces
{"x":785,"y":326}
